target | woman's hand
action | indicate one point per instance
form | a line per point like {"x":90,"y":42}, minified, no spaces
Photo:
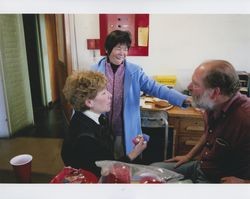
{"x":179,"y":160}
{"x":138,"y":149}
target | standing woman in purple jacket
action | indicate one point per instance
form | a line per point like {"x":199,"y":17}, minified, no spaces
{"x":125,"y":82}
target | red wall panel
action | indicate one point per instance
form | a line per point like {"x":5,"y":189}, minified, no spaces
{"x":129,"y":22}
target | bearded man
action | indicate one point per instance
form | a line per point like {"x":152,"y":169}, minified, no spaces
{"x":224,"y":148}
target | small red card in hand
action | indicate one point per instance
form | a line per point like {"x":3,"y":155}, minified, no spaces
{"x":137,"y":139}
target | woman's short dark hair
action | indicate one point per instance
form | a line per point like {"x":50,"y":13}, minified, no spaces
{"x":117,"y":37}
{"x":223,"y":75}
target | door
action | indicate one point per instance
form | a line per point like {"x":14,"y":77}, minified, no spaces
{"x":48,"y":57}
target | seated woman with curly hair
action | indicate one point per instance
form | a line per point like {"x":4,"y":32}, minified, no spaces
{"x":89,"y":138}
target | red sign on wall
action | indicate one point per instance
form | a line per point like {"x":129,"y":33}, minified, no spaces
{"x":136,"y":24}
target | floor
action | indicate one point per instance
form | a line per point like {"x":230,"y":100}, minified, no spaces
{"x":43,"y":141}
{"x":49,"y":123}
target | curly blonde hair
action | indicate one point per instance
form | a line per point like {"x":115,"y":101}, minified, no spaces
{"x":83,"y":85}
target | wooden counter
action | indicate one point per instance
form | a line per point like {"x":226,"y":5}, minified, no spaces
{"x":188,"y":126}
{"x":181,"y":112}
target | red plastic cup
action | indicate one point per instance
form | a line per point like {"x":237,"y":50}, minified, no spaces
{"x":22,"y":167}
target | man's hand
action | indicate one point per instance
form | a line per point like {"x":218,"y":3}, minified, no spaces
{"x":188,"y":102}
{"x":232,"y":179}
{"x":179,"y":160}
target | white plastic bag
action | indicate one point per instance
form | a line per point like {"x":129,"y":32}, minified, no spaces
{"x":120,"y":172}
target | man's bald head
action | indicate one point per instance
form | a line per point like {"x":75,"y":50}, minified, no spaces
{"x":221,"y":74}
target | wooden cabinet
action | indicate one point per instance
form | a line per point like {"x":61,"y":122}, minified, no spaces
{"x":244,"y":78}
{"x":188,"y":126}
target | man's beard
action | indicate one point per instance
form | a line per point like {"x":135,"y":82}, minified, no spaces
{"x":203,"y":101}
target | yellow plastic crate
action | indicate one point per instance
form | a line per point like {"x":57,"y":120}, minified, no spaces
{"x":169,"y":80}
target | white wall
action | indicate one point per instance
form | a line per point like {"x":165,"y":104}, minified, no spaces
{"x":86,"y":27}
{"x":179,"y":42}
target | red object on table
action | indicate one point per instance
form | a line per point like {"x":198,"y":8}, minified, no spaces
{"x":72,"y":175}
{"x":120,"y":173}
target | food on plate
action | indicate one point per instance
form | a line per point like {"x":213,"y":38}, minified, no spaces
{"x":149,"y":101}
{"x":161,"y":104}
{"x":155,"y":103}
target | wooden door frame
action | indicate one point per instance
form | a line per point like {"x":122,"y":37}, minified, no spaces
{"x":64,"y":61}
